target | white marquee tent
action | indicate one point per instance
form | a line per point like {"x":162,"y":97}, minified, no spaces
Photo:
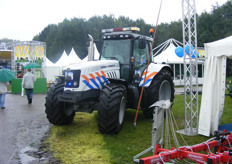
{"x":50,"y":70}
{"x":212,"y":102}
{"x":48,"y":62}
{"x":73,"y":58}
{"x":63,"y":61}
{"x":168,"y":55}
{"x":165,"y":53}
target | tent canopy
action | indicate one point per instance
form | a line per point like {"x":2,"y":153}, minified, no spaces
{"x":48,"y":62}
{"x":220,"y":48}
{"x":168,"y":56}
{"x":213,"y":92}
{"x":165,"y":52}
{"x":72,"y":57}
{"x":63,"y":61}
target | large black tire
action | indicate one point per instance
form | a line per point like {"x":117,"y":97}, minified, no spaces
{"x":161,"y":88}
{"x":111,"y":108}
{"x":58,"y":113}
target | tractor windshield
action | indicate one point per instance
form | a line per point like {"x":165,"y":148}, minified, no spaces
{"x":116,"y":49}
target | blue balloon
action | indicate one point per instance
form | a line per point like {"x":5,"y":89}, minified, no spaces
{"x":187,"y":50}
{"x":179,"y":51}
{"x":193,"y":52}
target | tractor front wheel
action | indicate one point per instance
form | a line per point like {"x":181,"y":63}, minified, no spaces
{"x":112,"y":108}
{"x":58,"y":113}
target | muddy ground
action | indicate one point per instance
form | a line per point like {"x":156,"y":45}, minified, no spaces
{"x":23,"y":128}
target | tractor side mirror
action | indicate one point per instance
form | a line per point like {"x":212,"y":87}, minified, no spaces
{"x":142,"y":42}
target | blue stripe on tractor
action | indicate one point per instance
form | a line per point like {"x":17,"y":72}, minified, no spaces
{"x":99,"y":81}
{"x":95,"y":83}
{"x":146,"y":82}
{"x":107,"y":82}
{"x":90,"y":86}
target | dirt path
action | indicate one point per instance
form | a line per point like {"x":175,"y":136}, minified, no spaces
{"x":22,"y":126}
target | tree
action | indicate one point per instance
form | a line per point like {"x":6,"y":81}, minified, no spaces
{"x":74,"y":33}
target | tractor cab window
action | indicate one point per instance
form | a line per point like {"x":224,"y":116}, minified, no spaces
{"x":118,"y":50}
{"x":141,"y":58}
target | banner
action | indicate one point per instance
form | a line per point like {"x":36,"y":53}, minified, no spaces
{"x":39,"y":53}
{"x":21,"y":53}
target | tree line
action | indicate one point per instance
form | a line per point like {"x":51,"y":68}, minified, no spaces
{"x":74,"y":32}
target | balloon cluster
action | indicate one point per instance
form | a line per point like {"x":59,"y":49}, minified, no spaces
{"x":180,"y":51}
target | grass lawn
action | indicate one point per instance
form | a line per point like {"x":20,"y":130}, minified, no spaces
{"x":229,"y":78}
{"x":81,"y":142}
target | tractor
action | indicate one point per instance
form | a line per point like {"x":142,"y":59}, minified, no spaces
{"x":111,"y":84}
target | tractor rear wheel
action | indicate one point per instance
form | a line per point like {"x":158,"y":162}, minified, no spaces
{"x":112,"y":108}
{"x":161,"y":88}
{"x":58,"y":113}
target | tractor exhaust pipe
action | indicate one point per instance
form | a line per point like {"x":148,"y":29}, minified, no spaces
{"x":91,"y":48}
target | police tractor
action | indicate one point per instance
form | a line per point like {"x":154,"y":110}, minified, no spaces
{"x":111,"y":84}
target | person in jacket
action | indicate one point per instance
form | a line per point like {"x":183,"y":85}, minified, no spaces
{"x":28,"y":84}
{"x":3,"y":89}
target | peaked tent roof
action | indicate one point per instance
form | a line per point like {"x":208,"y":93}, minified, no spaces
{"x":72,"y":57}
{"x":165,"y":52}
{"x":63,"y":61}
{"x":168,"y":55}
{"x":48,"y":62}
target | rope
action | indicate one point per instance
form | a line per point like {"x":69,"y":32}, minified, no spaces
{"x":228,"y":141}
{"x":178,"y":128}
{"x":207,"y":146}
{"x":149,"y":59}
{"x":167,"y":136}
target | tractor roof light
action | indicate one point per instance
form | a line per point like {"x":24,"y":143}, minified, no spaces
{"x":133,"y":29}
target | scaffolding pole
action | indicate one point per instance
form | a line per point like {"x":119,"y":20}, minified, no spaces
{"x":190,"y":67}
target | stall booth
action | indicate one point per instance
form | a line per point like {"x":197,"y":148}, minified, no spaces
{"x":23,"y":53}
{"x":5,"y":58}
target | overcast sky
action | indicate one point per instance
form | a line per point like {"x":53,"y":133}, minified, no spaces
{"x":23,"y":19}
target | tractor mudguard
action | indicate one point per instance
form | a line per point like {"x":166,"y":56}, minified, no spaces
{"x":153,"y":70}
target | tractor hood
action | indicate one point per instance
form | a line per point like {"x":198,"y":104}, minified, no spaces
{"x":90,"y":75}
{"x":92,"y":66}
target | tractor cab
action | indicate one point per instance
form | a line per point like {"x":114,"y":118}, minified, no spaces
{"x":129,"y":48}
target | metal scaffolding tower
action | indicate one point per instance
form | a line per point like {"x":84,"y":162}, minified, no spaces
{"x":190,"y":67}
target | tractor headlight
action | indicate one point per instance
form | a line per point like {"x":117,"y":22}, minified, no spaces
{"x":75,"y":83}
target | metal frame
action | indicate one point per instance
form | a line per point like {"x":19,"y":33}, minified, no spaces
{"x":190,"y":68}
{"x":157,"y":126}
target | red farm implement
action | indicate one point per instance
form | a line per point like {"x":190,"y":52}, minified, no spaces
{"x":213,"y":151}
{"x":222,"y":151}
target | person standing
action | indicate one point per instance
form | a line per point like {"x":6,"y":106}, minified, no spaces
{"x":28,"y":83}
{"x":3,"y":89}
